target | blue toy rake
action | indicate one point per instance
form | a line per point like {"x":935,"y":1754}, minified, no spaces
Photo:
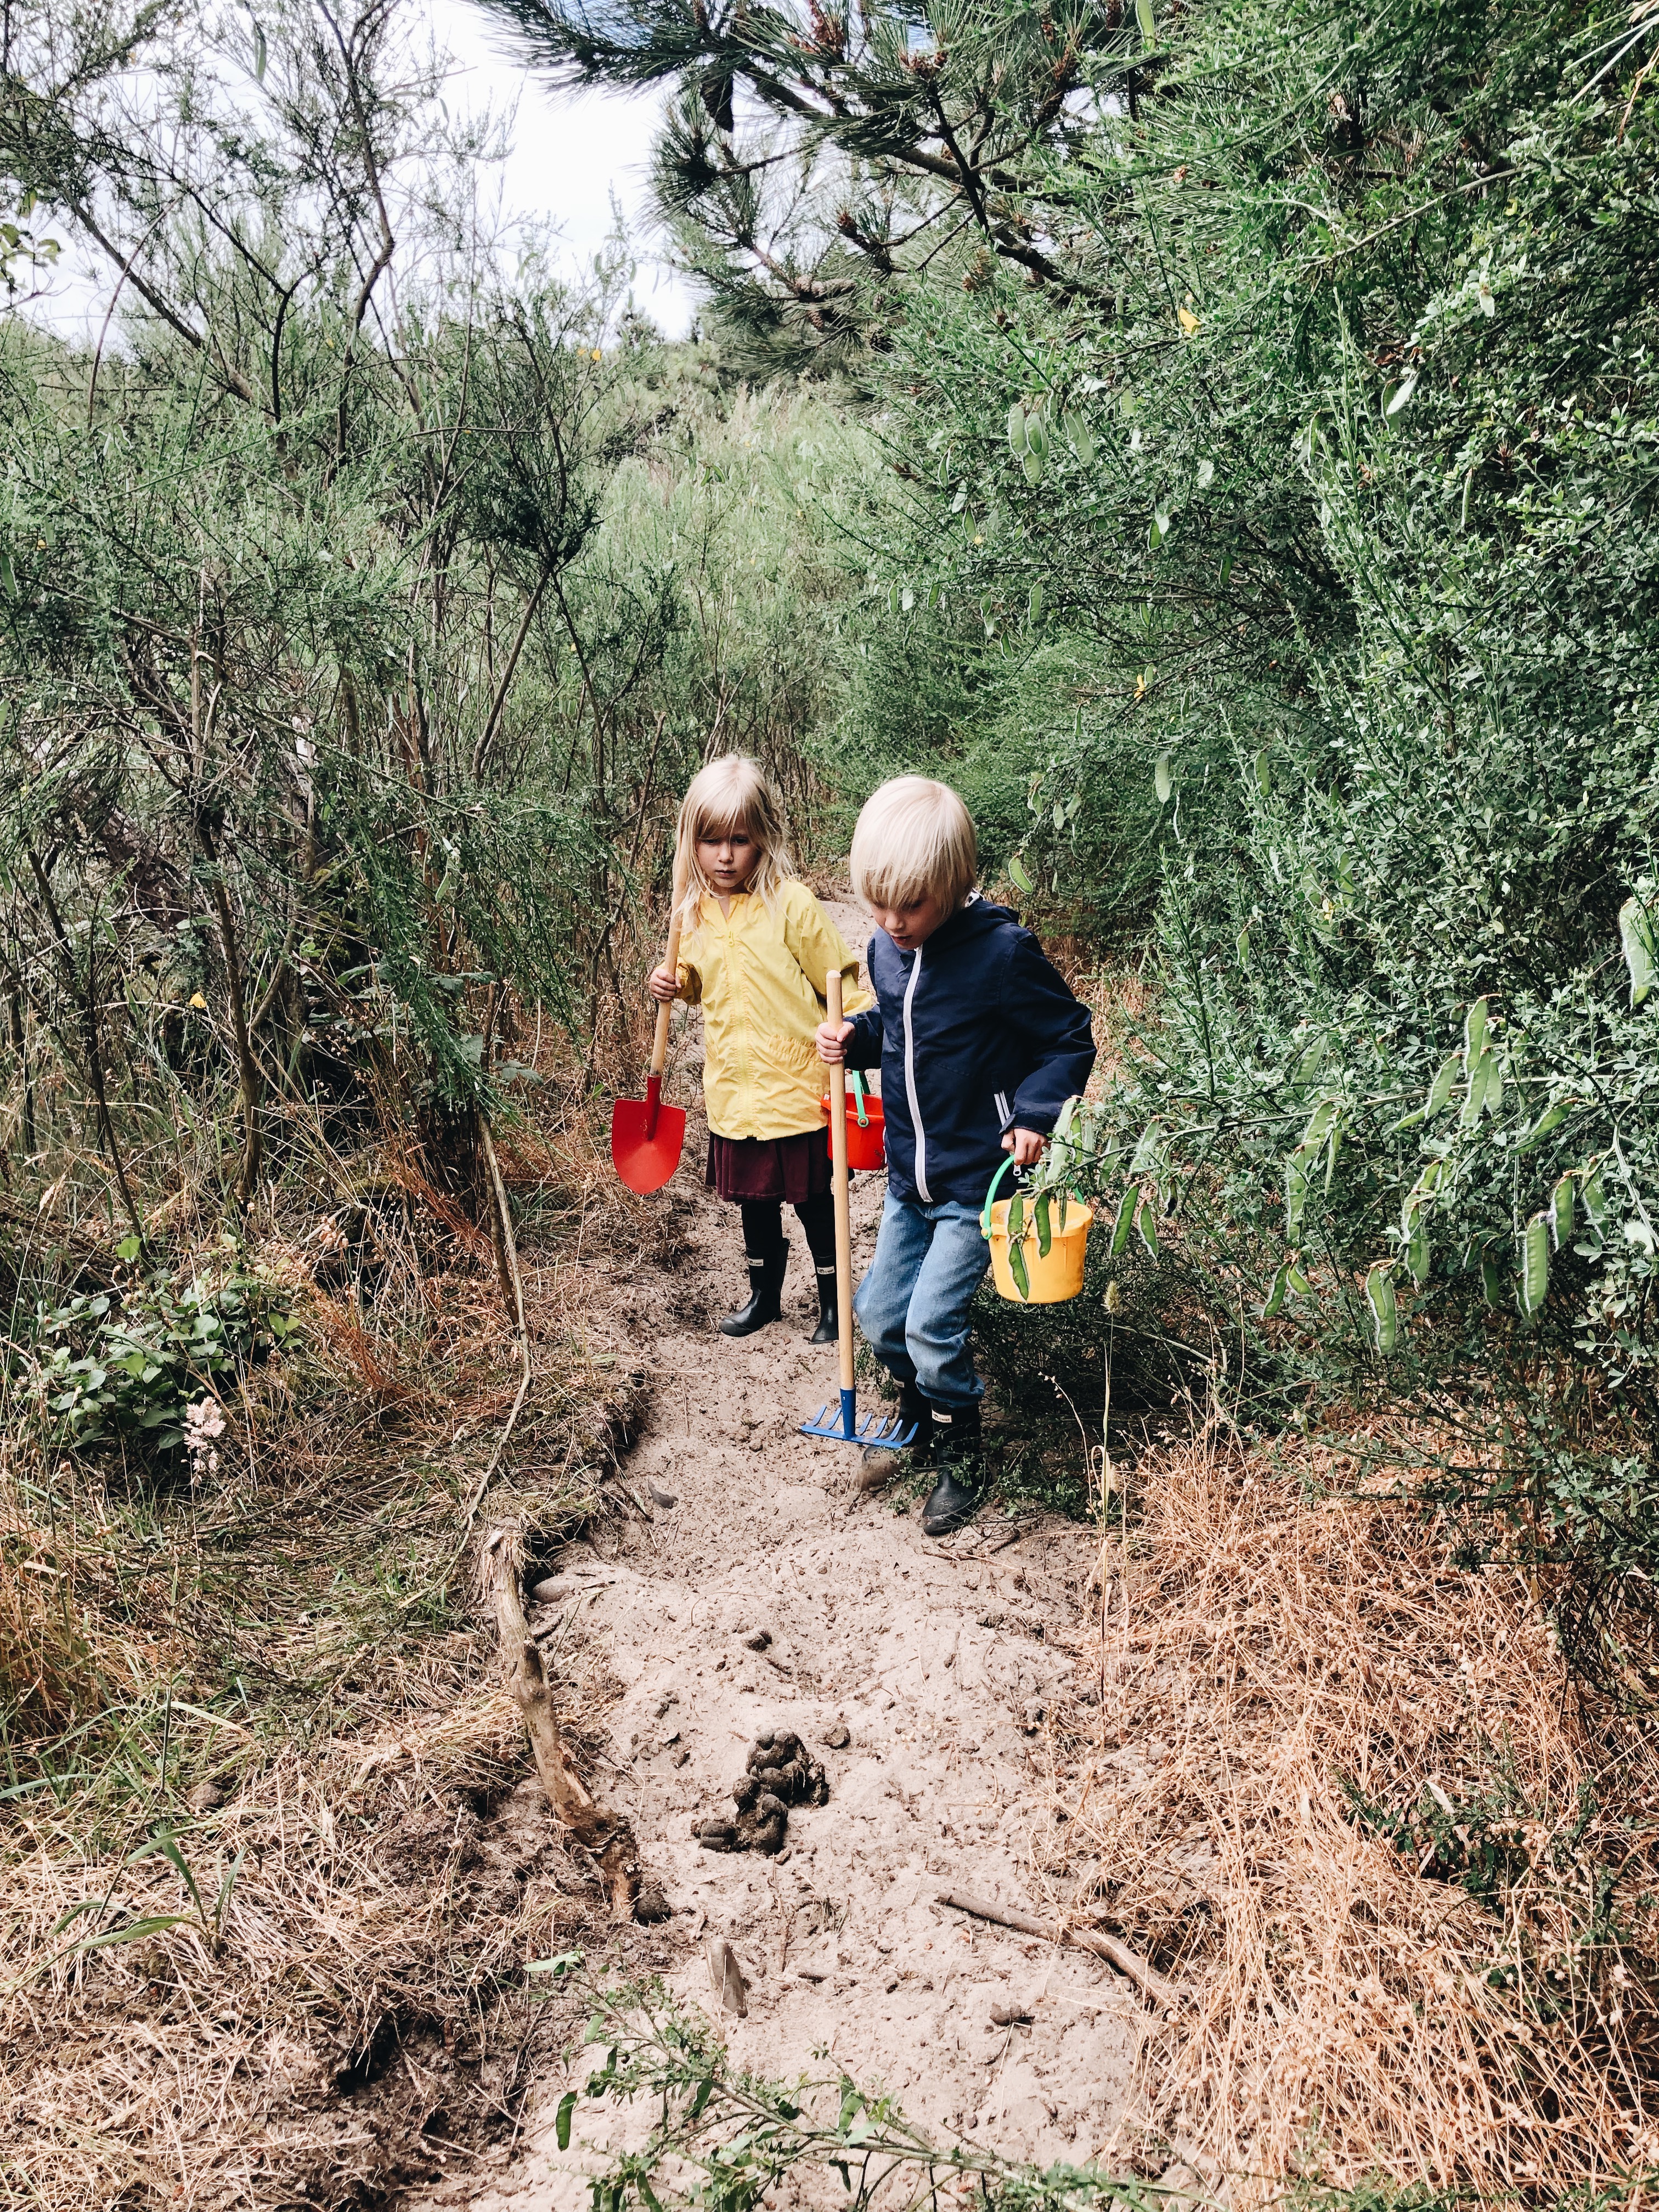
{"x":891,"y":1434}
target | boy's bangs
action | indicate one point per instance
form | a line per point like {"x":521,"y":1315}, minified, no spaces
{"x":900,"y":881}
{"x":914,"y":840}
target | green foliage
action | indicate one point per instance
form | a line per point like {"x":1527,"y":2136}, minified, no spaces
{"x":142,"y":1365}
{"x":1331,"y":548}
{"x":353,"y":658}
{"x":741,"y":2134}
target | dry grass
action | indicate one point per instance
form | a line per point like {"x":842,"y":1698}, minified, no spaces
{"x":281,"y":1674}
{"x":1342,"y":1784}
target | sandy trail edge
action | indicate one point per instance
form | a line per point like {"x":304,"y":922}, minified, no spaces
{"x":937,"y":1667}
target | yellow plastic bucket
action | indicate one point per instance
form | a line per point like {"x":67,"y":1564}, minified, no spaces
{"x":1053,"y":1276}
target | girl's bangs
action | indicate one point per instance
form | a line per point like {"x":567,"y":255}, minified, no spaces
{"x":708,"y":829}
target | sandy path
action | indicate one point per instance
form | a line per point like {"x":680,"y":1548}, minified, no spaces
{"x":936,"y":1666}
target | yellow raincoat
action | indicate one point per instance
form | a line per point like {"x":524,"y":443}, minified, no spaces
{"x":759,"y":978}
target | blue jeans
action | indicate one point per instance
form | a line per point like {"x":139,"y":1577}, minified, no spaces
{"x":913,"y":1304}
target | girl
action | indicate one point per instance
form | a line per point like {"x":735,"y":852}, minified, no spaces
{"x":756,"y":950}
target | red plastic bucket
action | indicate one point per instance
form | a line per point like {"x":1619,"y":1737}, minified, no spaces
{"x":865,"y":1147}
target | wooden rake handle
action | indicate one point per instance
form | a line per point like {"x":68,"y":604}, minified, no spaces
{"x":838,"y":1180}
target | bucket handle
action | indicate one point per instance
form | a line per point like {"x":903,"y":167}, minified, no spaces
{"x":985,"y":1217}
{"x":990,"y":1195}
{"x":858,"y":1094}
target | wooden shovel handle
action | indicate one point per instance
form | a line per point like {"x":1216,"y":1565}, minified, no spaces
{"x":838,"y":1180}
{"x":659,"y":1042}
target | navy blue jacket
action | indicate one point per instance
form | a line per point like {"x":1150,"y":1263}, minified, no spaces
{"x":973,"y":1034}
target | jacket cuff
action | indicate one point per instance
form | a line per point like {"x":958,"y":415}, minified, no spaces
{"x":864,"y":1046}
{"x":1039,"y":1119}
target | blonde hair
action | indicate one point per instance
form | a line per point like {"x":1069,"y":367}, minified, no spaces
{"x":914,"y":839}
{"x":732,"y":792}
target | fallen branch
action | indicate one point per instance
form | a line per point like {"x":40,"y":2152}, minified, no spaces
{"x":606,"y":1837}
{"x":1167,"y":1996}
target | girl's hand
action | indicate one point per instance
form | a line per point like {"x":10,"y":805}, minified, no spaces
{"x":832,"y":1041}
{"x":663,"y":986}
{"x":1025,"y":1144}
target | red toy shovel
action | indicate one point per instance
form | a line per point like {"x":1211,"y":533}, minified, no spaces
{"x":646,"y":1136}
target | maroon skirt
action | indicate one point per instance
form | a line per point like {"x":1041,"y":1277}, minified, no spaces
{"x":794,"y":1167}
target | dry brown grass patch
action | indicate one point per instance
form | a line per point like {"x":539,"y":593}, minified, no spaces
{"x":1342,"y":1784}
{"x":275,"y":1671}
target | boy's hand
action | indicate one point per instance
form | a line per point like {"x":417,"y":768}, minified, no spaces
{"x":663,"y":986}
{"x":832,"y":1041}
{"x":1025,"y":1144}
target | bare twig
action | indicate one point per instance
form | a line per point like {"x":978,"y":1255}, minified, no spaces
{"x":1167,"y":1996}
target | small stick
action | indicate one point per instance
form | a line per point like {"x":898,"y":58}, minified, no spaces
{"x":1167,"y":1996}
{"x":511,"y":1249}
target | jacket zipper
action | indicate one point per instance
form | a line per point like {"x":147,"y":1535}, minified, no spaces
{"x":925,"y":1194}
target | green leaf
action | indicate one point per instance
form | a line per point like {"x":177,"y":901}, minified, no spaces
{"x":1440,"y":1090}
{"x":1017,"y":870}
{"x":1416,"y":1249}
{"x":1552,"y":1118}
{"x":1595,"y":1203}
{"x":1163,"y":781}
{"x":1296,"y":1192}
{"x":1016,"y":1268}
{"x":1147,"y":1223}
{"x":157,"y":1924}
{"x":561,"y":2119}
{"x":1396,"y":396}
{"x":1385,"y":1317}
{"x":163,"y":1844}
{"x":1319,"y":1126}
{"x":1641,"y":947}
{"x":1481,"y":1072}
{"x":128,"y":1248}
{"x":1125,"y":1221}
{"x":1535,"y":1263}
{"x":1561,"y":1212}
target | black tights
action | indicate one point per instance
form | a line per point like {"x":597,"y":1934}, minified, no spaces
{"x":763,"y":1227}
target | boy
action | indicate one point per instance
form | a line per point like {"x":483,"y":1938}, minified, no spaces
{"x":979,"y":1045}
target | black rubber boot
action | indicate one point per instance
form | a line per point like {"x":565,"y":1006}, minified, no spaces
{"x":879,"y":1466}
{"x":765,"y":1294}
{"x":959,"y":1456}
{"x":829,"y":1328}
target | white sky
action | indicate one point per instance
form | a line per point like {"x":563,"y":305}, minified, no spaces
{"x":569,"y":157}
